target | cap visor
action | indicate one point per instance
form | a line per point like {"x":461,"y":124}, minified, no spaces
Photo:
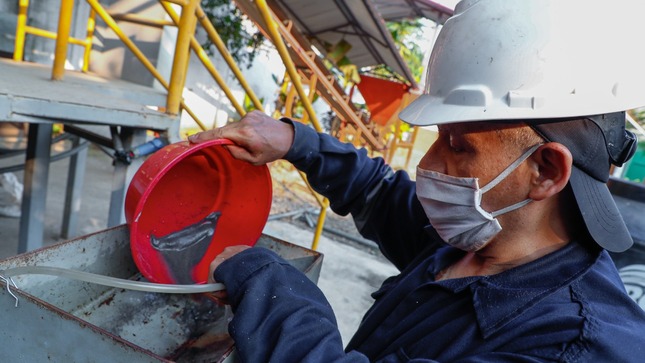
{"x":599,"y":211}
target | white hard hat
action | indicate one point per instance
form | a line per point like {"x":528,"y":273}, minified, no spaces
{"x":533,"y":59}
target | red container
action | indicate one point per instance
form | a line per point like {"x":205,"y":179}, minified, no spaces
{"x":179,"y":186}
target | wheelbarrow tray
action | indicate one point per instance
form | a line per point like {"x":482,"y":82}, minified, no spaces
{"x":59,"y":319}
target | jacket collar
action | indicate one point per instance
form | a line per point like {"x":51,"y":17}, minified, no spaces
{"x":500,"y":298}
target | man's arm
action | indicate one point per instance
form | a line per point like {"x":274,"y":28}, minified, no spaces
{"x":382,"y":202}
{"x":280,"y":315}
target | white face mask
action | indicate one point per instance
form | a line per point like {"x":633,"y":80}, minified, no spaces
{"x":453,"y":206}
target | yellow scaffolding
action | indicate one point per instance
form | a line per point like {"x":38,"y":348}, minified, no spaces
{"x":299,"y":50}
{"x":22,"y":29}
{"x":191,"y":15}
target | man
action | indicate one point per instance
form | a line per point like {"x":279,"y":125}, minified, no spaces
{"x":501,"y":241}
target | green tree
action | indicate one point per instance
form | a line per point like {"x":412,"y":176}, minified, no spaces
{"x":228,"y":20}
{"x":405,"y":34}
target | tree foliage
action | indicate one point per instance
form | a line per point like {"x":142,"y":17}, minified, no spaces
{"x":406,"y":34}
{"x":229,"y":21}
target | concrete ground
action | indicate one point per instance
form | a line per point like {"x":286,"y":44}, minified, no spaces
{"x":349,"y":273}
{"x":94,"y":203}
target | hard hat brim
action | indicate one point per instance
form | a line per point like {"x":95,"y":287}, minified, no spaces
{"x":428,"y":110}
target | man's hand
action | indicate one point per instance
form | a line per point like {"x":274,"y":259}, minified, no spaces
{"x":258,"y":138}
{"x":222,"y":296}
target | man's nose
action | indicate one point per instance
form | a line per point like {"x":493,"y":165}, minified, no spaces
{"x":433,"y":160}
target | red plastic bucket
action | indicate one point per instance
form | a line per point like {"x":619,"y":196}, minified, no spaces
{"x":183,"y":190}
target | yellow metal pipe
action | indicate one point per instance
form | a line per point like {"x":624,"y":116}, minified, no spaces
{"x":288,"y":62}
{"x":201,"y":54}
{"x":295,"y":78}
{"x":40,"y":32}
{"x":64,"y":28}
{"x":221,"y":47}
{"x":19,"y":45}
{"x":51,"y":35}
{"x":328,"y":83}
{"x":194,"y":117}
{"x":283,"y":91}
{"x":324,"y":204}
{"x":319,"y":226}
{"x":320,"y":199}
{"x":187,"y":24}
{"x":178,"y":2}
{"x":289,"y":101}
{"x":109,"y":21}
{"x":138,"y":19}
{"x":203,"y":57}
{"x":313,"y":82}
{"x":91,"y":25}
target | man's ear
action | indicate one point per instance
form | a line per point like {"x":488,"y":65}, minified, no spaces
{"x":553,"y":162}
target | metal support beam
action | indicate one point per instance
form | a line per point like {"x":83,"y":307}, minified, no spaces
{"x":123,"y":174}
{"x":90,"y":136}
{"x":75,"y":175}
{"x":34,"y":195}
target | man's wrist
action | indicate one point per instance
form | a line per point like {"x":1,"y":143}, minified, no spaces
{"x":305,"y":141}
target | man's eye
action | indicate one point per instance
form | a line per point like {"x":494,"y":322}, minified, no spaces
{"x":455,"y":145}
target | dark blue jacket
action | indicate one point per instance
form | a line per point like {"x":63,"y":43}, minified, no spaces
{"x":568,"y":306}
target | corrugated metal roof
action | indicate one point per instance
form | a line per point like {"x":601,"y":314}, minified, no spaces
{"x":395,"y":10}
{"x":360,"y":23}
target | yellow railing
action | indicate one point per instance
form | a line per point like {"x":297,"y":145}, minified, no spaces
{"x":203,"y":57}
{"x":191,"y":15}
{"x":22,"y":29}
{"x":305,"y":99}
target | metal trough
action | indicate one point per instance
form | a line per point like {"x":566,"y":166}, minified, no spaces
{"x":64,"y":320}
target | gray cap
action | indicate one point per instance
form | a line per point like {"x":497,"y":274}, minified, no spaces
{"x":595,"y":143}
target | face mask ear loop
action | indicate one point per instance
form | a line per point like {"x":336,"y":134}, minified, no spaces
{"x":513,"y":207}
{"x":510,"y":168}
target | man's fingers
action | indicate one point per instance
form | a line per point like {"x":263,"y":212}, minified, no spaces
{"x":241,"y":153}
{"x":220,"y":297}
{"x":205,"y":136}
{"x":226,"y":254}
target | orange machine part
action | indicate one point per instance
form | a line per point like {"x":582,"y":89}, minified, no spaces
{"x":382,"y":97}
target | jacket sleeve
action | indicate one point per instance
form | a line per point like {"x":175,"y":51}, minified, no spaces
{"x":279,"y":314}
{"x":382,"y":202}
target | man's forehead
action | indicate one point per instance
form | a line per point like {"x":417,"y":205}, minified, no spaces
{"x":473,"y":127}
